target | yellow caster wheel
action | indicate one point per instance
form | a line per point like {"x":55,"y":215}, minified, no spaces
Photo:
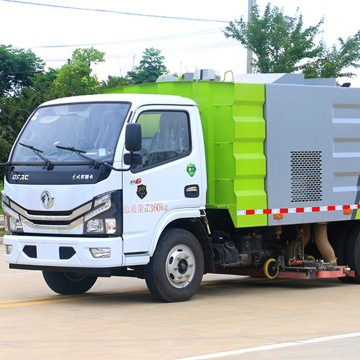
{"x":270,"y":271}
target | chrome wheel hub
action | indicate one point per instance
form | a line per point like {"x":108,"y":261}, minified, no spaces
{"x":180,"y":266}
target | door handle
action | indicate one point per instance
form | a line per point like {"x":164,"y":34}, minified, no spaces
{"x":192,"y":191}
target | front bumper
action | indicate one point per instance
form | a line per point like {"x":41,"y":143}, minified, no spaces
{"x":49,"y":250}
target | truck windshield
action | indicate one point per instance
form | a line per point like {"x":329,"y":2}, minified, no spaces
{"x":92,"y":128}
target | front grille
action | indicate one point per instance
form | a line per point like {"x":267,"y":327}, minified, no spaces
{"x":50,"y":213}
{"x":51,"y":218}
{"x":51,"y":223}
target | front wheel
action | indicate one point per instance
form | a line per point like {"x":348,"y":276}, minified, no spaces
{"x":68,"y":283}
{"x":175,"y":271}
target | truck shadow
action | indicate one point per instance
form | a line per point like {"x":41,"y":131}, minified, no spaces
{"x":245,"y":287}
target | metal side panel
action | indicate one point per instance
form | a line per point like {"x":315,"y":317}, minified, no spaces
{"x":313,"y":152}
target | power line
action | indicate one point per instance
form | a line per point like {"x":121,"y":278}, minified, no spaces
{"x":167,"y":37}
{"x":200,"y":47}
{"x":113,"y":11}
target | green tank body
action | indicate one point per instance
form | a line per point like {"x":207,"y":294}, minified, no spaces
{"x":234,"y":134}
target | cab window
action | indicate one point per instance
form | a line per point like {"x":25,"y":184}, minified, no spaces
{"x":165,"y":137}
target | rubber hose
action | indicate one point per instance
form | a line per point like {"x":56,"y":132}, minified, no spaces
{"x":322,"y":243}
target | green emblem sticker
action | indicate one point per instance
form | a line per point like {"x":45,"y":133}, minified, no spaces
{"x":191,"y":169}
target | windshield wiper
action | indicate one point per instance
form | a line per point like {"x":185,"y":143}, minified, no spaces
{"x":49,"y":165}
{"x":80,"y":153}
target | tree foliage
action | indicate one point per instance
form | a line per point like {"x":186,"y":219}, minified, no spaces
{"x":88,"y":56}
{"x":279,"y":44}
{"x":282,"y":45}
{"x":75,"y":79}
{"x":15,"y":110}
{"x":113,"y":82}
{"x":336,"y":62}
{"x":150,"y":68}
{"x":17,"y":66}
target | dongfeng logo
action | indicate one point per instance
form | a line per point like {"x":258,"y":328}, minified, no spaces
{"x":47,"y":199}
{"x":18,"y":177}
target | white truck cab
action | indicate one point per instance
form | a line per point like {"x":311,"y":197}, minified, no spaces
{"x":72,"y":204}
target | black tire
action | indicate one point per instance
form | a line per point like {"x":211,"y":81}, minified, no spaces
{"x":338,"y":238}
{"x":68,"y":283}
{"x":353,"y":252}
{"x":176,"y":269}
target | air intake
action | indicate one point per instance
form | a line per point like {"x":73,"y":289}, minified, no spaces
{"x":306,"y":176}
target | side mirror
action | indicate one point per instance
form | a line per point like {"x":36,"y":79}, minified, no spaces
{"x":133,"y":137}
{"x":132,"y":159}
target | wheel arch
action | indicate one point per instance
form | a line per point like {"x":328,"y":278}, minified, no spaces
{"x":195,"y":226}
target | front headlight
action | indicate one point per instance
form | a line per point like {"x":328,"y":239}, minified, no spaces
{"x":95,"y":226}
{"x":12,"y":218}
{"x":105,"y":217}
{"x":102,"y":204}
{"x":4,"y":199}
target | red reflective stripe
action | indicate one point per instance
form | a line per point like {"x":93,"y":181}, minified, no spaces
{"x":301,"y":210}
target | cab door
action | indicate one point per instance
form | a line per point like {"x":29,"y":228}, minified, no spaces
{"x":168,"y":183}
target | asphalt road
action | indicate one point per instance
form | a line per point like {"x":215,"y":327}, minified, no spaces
{"x":231,"y":317}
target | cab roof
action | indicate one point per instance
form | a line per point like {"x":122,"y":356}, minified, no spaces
{"x":136,"y":99}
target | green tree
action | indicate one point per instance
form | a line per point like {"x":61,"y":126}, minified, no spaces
{"x":7,"y":138}
{"x":88,"y":55}
{"x":17,"y":66}
{"x":113,"y":82}
{"x":75,"y":78}
{"x":15,"y":110}
{"x":279,"y":44}
{"x":150,"y":68}
{"x":336,"y":62}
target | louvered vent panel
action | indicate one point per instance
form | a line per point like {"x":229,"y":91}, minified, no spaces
{"x":306,"y":176}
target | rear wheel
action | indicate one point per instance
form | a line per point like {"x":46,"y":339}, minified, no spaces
{"x":68,"y":283}
{"x":338,"y":238}
{"x":176,"y":268}
{"x":353,"y":252}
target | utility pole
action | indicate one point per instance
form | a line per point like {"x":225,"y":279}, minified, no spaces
{"x":133,"y":62}
{"x":249,"y":52}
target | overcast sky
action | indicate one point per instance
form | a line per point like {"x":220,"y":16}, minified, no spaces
{"x":53,"y":33}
